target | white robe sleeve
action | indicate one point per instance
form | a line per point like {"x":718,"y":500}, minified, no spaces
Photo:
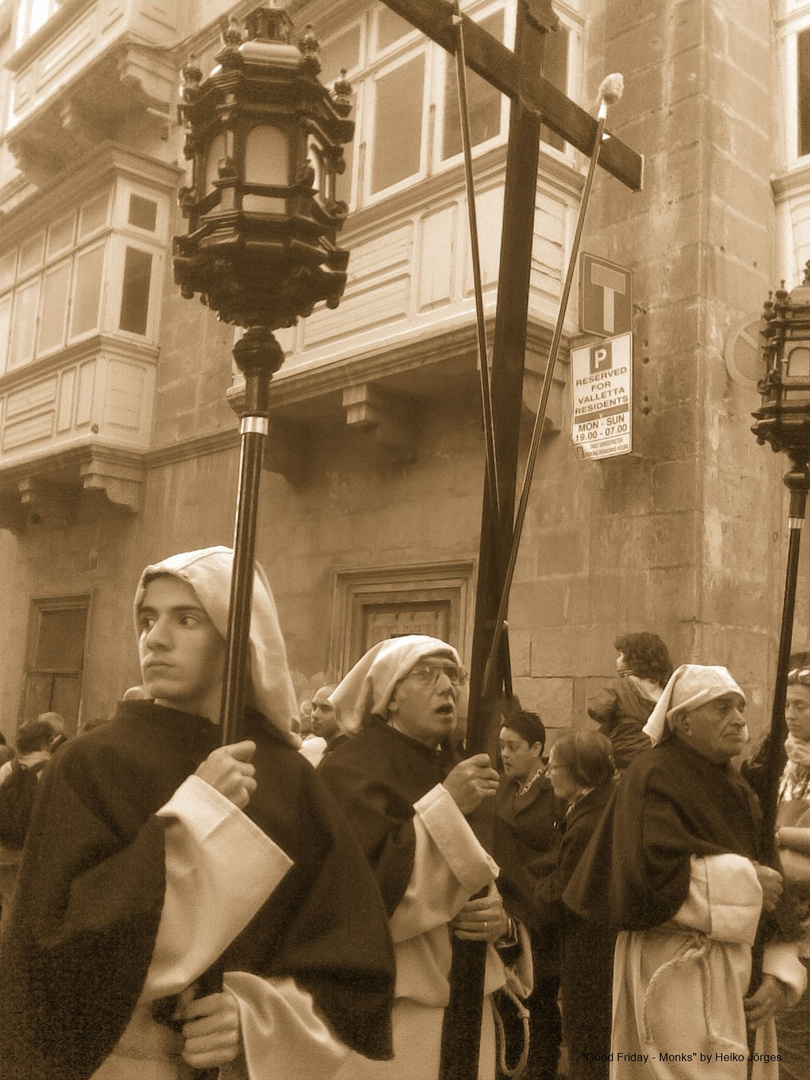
{"x":724,"y":899}
{"x":781,"y":959}
{"x":220,"y":869}
{"x":449,"y":866}
{"x":283,"y":1036}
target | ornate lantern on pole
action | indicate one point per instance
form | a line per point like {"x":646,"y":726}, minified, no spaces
{"x":265,"y":140}
{"x":783,"y":420}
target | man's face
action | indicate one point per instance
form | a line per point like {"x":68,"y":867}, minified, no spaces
{"x":423,"y":705}
{"x":520,"y":758}
{"x":797,"y":711}
{"x":323,"y":718}
{"x":717,"y":729}
{"x":182,"y":653}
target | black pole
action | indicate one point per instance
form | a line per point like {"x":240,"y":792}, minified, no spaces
{"x":258,"y":356}
{"x":797,"y":482}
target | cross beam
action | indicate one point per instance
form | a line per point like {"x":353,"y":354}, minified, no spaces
{"x":490,"y":59}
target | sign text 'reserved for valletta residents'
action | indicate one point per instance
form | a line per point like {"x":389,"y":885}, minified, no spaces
{"x":602,"y":382}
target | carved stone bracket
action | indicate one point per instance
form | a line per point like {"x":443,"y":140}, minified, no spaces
{"x":384,"y":418}
{"x":50,"y":490}
{"x":121,"y":483}
{"x":129,"y":84}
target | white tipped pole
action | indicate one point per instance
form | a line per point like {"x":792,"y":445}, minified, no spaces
{"x":610,"y":90}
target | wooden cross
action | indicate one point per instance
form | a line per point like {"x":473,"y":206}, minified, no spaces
{"x":535,"y":101}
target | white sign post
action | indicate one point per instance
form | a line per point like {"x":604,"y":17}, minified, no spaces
{"x":602,"y":381}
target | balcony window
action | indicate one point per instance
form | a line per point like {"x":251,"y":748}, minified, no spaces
{"x":406,"y":98}
{"x":484,"y":102}
{"x":56,"y":287}
{"x":142,"y":213}
{"x":88,"y":271}
{"x":25,"y":323}
{"x":397,"y":133}
{"x":135,"y":293}
{"x":87,"y":291}
{"x":32,"y":14}
{"x":803,"y":57}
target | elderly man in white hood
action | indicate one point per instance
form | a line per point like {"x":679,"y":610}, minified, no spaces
{"x":673,"y":865}
{"x":401,"y":784}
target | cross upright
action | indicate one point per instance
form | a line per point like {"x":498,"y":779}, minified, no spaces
{"x":535,"y":101}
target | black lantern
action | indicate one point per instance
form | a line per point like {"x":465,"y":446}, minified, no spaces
{"x":783,"y":420}
{"x":265,"y":139}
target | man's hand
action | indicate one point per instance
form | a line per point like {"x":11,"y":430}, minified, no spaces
{"x":770,"y":999}
{"x":229,"y":769}
{"x":771,"y":882}
{"x":211,"y":1029}
{"x":471,"y":781}
{"x":482,"y":919}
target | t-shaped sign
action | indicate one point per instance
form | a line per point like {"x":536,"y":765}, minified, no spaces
{"x":606,"y":297}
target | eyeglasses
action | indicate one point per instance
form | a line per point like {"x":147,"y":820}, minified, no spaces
{"x":799,"y":675}
{"x":428,"y":674}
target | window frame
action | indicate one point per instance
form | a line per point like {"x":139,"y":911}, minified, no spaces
{"x":42,"y":606}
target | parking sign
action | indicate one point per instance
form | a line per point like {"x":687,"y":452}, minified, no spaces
{"x":602,"y":382}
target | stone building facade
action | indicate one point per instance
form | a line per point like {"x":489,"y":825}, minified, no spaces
{"x":119,"y":434}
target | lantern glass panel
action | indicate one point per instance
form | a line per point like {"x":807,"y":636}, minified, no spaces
{"x":267,"y":156}
{"x":216,"y":151}
{"x":798,"y":362}
{"x":267,"y":161}
{"x":315,"y":158}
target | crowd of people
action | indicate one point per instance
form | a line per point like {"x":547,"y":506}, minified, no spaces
{"x":285,"y":906}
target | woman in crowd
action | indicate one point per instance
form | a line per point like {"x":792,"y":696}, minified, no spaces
{"x":622,"y":708}
{"x":581,"y":771}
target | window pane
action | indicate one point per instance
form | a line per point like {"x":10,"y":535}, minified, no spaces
{"x":93,"y":215}
{"x":31,"y":253}
{"x":5,"y":328}
{"x":135,"y":294}
{"x":60,"y":235}
{"x":66,"y":698}
{"x":89,"y":266}
{"x":342,"y":52}
{"x":390,"y":28}
{"x":803,"y":46}
{"x":38,"y":691}
{"x":7,"y":269}
{"x":54,"y":308}
{"x":483,"y":101}
{"x":142,"y":213}
{"x":555,"y":69}
{"x":25,"y":321}
{"x":397,"y":138}
{"x":60,"y":646}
